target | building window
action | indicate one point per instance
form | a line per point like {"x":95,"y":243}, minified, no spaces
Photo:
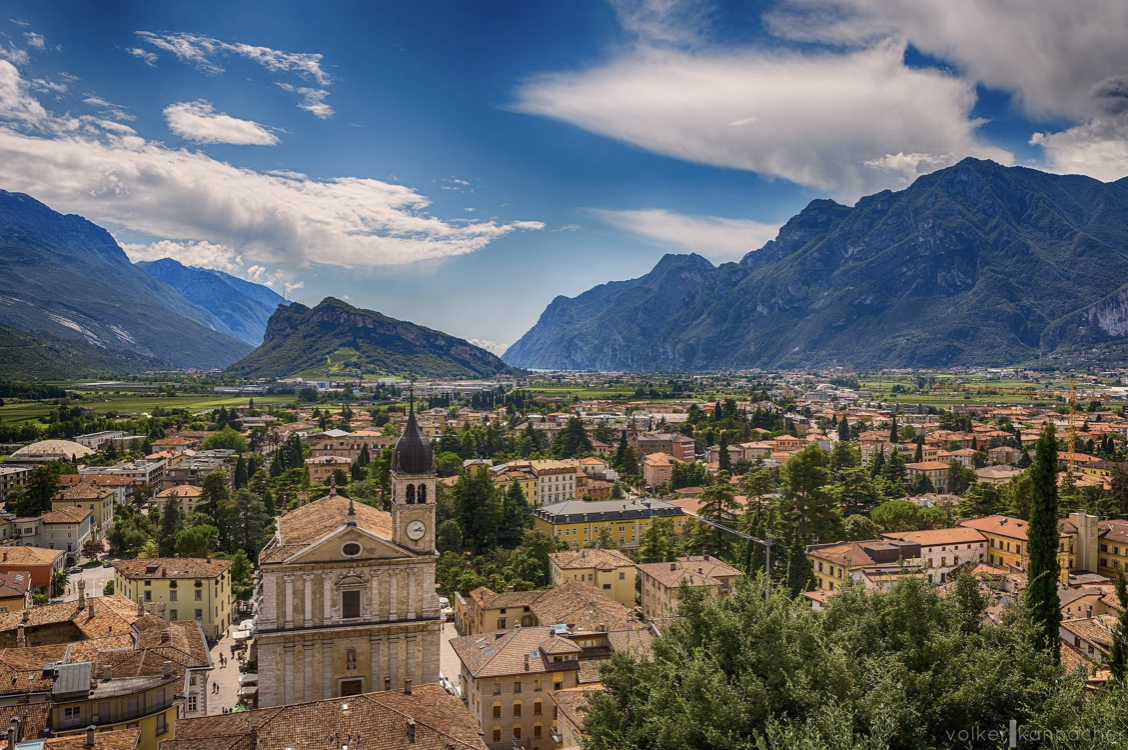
{"x":497,"y":688}
{"x":622,"y":576}
{"x":517,"y":686}
{"x":172,"y":595}
{"x":72,"y":716}
{"x":172,"y":614}
{"x":536,"y":686}
{"x":350,"y":604}
{"x":199,"y":614}
{"x":517,"y":709}
{"x":148,"y":596}
{"x":497,"y":710}
{"x":199,"y":595}
{"x":538,"y":707}
{"x":517,"y":732}
{"x":192,"y":703}
{"x":497,"y":735}
{"x":352,"y":549}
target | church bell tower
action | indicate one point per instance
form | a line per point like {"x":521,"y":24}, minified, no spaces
{"x":413,"y":488}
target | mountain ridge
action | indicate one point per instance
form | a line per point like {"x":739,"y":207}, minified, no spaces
{"x":972,"y":264}
{"x":336,"y":339}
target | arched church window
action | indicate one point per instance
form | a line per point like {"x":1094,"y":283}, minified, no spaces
{"x":411,"y":494}
{"x":422,"y":493}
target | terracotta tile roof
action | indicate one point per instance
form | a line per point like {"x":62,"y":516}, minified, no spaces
{"x":73,"y":514}
{"x":14,"y":557}
{"x":1095,"y":630}
{"x":101,"y":480}
{"x":113,"y":615}
{"x":600,"y":559}
{"x":34,"y":717}
{"x":1115,"y":531}
{"x":487,"y":598}
{"x":172,"y":567}
{"x":933,"y":537}
{"x":120,"y":739}
{"x":84,"y":492}
{"x":928,"y":466}
{"x":497,"y":654}
{"x":305,"y":525}
{"x":381,"y":719}
{"x":573,"y":703}
{"x":581,"y":606}
{"x":695,"y":571}
{"x":14,"y":583}
{"x":1012,"y":528}
{"x":635,"y":642}
{"x":182,"y":490}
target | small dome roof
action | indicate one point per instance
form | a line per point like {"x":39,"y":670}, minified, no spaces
{"x":62,"y":449}
{"x":413,"y":453}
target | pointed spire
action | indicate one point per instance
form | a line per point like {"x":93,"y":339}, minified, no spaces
{"x":332,"y":484}
{"x":411,"y":399}
{"x":352,"y":514}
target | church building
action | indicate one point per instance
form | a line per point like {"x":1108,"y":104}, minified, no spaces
{"x":348,"y":591}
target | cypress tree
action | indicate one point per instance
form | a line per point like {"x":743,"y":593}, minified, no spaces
{"x":843,"y":429}
{"x":1043,"y":569}
{"x":724,"y":461}
{"x":1118,"y":653}
{"x":919,"y":455}
{"x":240,"y":478}
{"x":893,"y":429}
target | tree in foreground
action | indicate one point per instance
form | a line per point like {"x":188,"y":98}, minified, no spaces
{"x":1042,"y":539}
{"x":898,"y":669}
{"x":1118,"y":652}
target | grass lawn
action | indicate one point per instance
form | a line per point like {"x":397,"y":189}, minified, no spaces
{"x":14,"y":412}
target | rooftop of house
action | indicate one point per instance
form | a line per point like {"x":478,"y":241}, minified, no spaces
{"x":118,"y":739}
{"x":939,"y":537}
{"x":172,"y":567}
{"x":13,"y":556}
{"x":73,"y":514}
{"x":699,"y":570}
{"x":1012,"y":528}
{"x":181,"y":490}
{"x":83,"y":492}
{"x":14,"y":583}
{"x":573,"y":702}
{"x":590,"y":557}
{"x":513,"y":652}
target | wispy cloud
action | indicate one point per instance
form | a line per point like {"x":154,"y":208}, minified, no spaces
{"x":713,"y":236}
{"x":35,"y":41}
{"x":208,"y":54}
{"x":283,"y":220}
{"x":109,"y":109}
{"x":200,"y":123}
{"x":150,"y":58}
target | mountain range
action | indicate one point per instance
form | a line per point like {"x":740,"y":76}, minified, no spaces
{"x":335,"y":339}
{"x":65,"y":281}
{"x":242,"y":307}
{"x":973,"y":264}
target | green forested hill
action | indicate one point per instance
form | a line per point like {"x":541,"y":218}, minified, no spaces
{"x":973,"y":264}
{"x":336,"y":339}
{"x":27,"y":357}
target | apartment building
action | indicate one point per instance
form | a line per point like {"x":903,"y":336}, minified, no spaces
{"x":556,"y":480}
{"x":188,"y":588}
{"x":662,"y":583}
{"x":608,"y":570}
{"x":578,"y":523}
{"x":1006,"y":542}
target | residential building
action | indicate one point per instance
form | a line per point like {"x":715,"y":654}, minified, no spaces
{"x":578,"y":523}
{"x":40,"y":563}
{"x":1006,"y":542}
{"x":98,"y":440}
{"x":662,"y":582}
{"x":15,"y":590}
{"x":98,"y":500}
{"x":348,"y":597}
{"x":1092,"y":636}
{"x":12,"y":478}
{"x":996,"y":474}
{"x":556,"y":480}
{"x":834,"y":563}
{"x":321,"y":469}
{"x":189,"y":588}
{"x":1112,"y":548}
{"x":422,"y":716}
{"x":656,"y":469}
{"x":936,"y":471}
{"x":142,"y":471}
{"x":187,"y":497}
{"x":677,"y":446}
{"x":944,"y":550}
{"x":608,"y":570}
{"x":570,"y":710}
{"x":577,"y":605}
{"x":122,"y":487}
{"x":66,"y":529}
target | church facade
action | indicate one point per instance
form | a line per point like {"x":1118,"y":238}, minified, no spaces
{"x":348,"y":591}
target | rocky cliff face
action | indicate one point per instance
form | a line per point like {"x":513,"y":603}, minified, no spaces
{"x":974,"y":264}
{"x":336,"y":339}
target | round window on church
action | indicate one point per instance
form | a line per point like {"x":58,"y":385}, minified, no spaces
{"x":352,"y":549}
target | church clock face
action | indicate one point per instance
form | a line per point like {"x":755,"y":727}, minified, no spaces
{"x":416,"y":530}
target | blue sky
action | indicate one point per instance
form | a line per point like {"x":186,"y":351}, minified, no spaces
{"x":460,"y":164}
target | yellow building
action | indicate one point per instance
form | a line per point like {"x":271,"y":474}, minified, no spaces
{"x":100,"y":501}
{"x":1006,"y":542}
{"x":525,"y":479}
{"x":608,"y":570}
{"x":145,"y":702}
{"x":579,"y":523}
{"x":188,"y":588}
{"x":569,"y":710}
{"x":15,"y":590}
{"x":1104,"y":469}
{"x":834,"y":564}
{"x":662,"y":582}
{"x":1112,"y":548}
{"x":570,"y":603}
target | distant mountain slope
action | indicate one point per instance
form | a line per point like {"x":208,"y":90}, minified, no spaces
{"x":973,"y":264}
{"x":336,"y":339}
{"x":24,"y":356}
{"x":66,"y":278}
{"x":242,"y":307}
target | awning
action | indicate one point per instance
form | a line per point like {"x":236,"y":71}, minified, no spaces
{"x":248,"y":679}
{"x":248,"y":690}
{"x":241,"y":635}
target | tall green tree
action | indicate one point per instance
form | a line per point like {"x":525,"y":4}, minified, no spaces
{"x":718,"y":504}
{"x":572,"y":441}
{"x":808,"y":500}
{"x":1042,"y":539}
{"x":516,"y":517}
{"x":171,"y":524}
{"x":658,"y":542}
{"x":894,"y":437}
{"x":1118,"y":652}
{"x":478,"y":508}
{"x":240,"y":477}
{"x":843,"y":429}
{"x":247,"y":522}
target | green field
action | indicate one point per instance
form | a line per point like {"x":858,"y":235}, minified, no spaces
{"x":14,"y":412}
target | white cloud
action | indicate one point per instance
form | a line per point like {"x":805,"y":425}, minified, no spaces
{"x":1048,"y":52}
{"x":14,"y":54}
{"x":201,"y":254}
{"x":313,"y":100}
{"x":150,"y":58}
{"x":35,"y":40}
{"x":680,"y":22}
{"x":103,"y":171}
{"x":1098,"y":148}
{"x":713,"y":236}
{"x":490,"y":346}
{"x":108,"y":108}
{"x":206,"y":54}
{"x":820,"y":117}
{"x":200,"y":123}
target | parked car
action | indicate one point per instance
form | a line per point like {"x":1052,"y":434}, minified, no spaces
{"x":107,"y":564}
{"x":74,"y":571}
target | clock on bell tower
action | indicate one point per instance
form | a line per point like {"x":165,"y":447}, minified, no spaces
{"x":413,"y":488}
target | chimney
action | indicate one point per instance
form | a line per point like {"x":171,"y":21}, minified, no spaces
{"x":387,"y":683}
{"x":89,"y":606}
{"x":107,"y":672}
{"x":81,"y":589}
{"x":411,"y":731}
{"x":673,"y":566}
{"x":90,"y":736}
{"x":168,"y":670}
{"x":140,"y":606}
{"x":526,"y":662}
{"x":21,"y":636}
{"x":407,"y":686}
